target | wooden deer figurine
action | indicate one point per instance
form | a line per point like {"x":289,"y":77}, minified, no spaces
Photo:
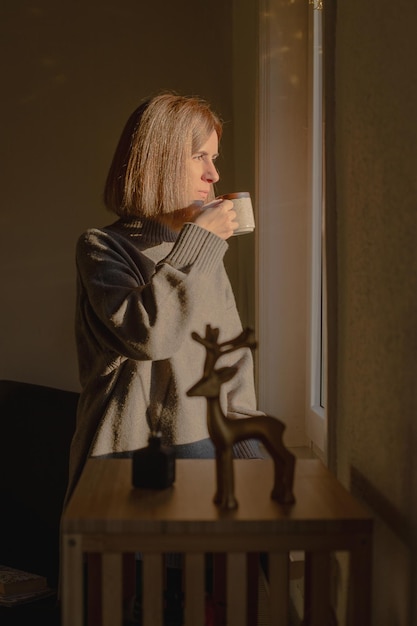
{"x":225,"y":432}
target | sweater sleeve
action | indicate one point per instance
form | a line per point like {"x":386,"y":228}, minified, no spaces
{"x":137,"y":310}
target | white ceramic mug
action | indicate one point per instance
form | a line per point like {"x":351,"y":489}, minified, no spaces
{"x":242,"y":204}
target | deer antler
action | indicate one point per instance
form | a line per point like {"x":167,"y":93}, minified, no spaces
{"x":245,"y":339}
{"x":210,"y":340}
{"x":215,"y":349}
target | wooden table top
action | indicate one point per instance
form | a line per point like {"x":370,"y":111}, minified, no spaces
{"x":105,"y":501}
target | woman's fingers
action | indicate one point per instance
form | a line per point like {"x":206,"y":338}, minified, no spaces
{"x":219,"y":217}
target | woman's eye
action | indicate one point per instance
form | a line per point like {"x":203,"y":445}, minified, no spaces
{"x":202,"y":157}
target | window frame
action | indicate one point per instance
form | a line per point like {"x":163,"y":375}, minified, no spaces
{"x":316,"y":412}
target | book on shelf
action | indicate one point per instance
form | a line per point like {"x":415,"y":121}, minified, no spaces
{"x":16,"y":599}
{"x":17,"y":586}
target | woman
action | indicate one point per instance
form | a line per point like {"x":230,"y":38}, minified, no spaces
{"x":145,"y":282}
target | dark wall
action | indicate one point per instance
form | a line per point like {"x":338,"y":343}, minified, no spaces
{"x":71,"y":75}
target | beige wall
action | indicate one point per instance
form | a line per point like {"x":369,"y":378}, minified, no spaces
{"x":373,"y":355}
{"x":72,"y":74}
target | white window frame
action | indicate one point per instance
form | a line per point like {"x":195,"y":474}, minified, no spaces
{"x":316,"y":414}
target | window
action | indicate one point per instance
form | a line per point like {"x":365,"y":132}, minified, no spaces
{"x":282,"y":259}
{"x":291,"y":287}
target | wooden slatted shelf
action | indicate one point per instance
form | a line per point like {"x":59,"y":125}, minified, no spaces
{"x":107,"y":515}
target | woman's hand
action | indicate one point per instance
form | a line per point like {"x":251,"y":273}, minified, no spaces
{"x":219,"y":217}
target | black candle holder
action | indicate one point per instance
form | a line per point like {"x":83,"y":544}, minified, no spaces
{"x":153,"y":467}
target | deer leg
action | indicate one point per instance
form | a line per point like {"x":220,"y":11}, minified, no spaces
{"x":218,"y":497}
{"x":283,"y":476}
{"x":278,"y":491}
{"x":288,"y":478}
{"x":228,"y":500}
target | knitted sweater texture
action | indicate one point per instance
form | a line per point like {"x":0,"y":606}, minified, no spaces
{"x":141,"y":291}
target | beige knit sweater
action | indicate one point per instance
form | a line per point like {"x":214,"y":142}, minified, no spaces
{"x":141,"y":290}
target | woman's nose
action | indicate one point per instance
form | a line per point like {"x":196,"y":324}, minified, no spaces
{"x":211,"y":175}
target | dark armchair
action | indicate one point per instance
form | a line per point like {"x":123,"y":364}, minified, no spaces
{"x":36,"y":427}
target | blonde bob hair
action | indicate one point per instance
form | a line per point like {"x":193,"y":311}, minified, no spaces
{"x":148,"y":174}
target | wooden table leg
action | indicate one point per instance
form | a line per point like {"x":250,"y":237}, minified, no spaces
{"x":73,"y":577}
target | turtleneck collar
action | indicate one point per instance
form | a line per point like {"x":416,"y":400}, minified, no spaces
{"x":148,"y":230}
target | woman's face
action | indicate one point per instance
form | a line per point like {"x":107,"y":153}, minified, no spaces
{"x":202,"y":172}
